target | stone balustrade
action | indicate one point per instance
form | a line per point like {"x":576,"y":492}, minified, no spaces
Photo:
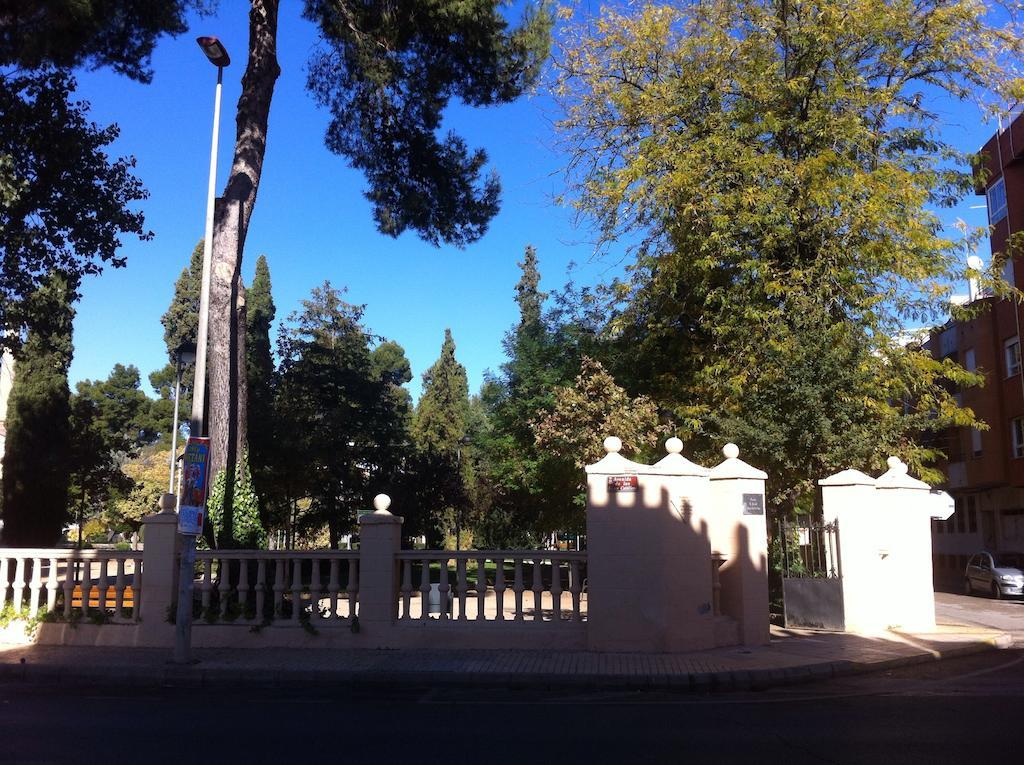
{"x":319,"y":587}
{"x":73,"y":582}
{"x":492,"y":585}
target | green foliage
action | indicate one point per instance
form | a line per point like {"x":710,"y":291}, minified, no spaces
{"x":387,"y":75}
{"x":440,"y":422}
{"x":521,"y":492}
{"x":66,"y":204}
{"x":439,"y":433}
{"x":783,"y":173}
{"x":120,"y":34}
{"x":339,"y":417}
{"x":149,"y":474}
{"x":259,"y":368}
{"x":37,"y":454}
{"x":247,"y":531}
{"x":592,"y":409}
{"x":110,"y":420}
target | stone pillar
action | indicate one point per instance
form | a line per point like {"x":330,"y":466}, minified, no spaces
{"x":380,"y":538}
{"x":159,"y":574}
{"x":648,"y":556}
{"x":849,"y":497}
{"x":740,"y":533}
{"x":905,"y":576}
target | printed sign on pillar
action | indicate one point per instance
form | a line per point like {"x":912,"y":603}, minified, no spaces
{"x":622,"y":483}
{"x":195,"y":478}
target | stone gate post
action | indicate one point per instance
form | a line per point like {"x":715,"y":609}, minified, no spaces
{"x":159,"y":574}
{"x":906,"y":560}
{"x":849,"y":497}
{"x":740,"y":532}
{"x":648,"y":556}
{"x":380,"y":538}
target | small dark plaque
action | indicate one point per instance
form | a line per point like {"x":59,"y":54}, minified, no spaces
{"x":753,"y":504}
{"x":622,"y":483}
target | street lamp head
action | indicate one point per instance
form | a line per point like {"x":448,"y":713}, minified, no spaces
{"x":215,"y":51}
{"x":186,"y":353}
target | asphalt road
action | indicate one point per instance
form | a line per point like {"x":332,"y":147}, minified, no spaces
{"x":958,"y":711}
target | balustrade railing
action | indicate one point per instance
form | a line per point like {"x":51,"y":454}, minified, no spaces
{"x":492,"y":585}
{"x":319,"y":588}
{"x":102,"y":584}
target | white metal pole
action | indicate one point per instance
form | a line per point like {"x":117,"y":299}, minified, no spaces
{"x":186,"y":572}
{"x":199,"y":388}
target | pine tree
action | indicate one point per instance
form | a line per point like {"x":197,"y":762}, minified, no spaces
{"x":338,"y":416}
{"x":36,"y":460}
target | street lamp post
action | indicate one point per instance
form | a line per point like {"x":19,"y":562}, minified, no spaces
{"x":183,"y":354}
{"x":218,"y":56}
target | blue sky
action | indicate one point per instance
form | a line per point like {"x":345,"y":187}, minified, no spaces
{"x":312,"y":222}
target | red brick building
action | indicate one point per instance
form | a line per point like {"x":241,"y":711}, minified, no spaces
{"x":985,"y":469}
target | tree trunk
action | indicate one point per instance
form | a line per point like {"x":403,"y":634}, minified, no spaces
{"x":226,"y":366}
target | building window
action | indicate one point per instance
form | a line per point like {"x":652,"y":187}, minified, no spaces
{"x":972,"y":515}
{"x":1017,"y":434}
{"x":996,"y":202}
{"x":1012,"y":353}
{"x":970,"y":363}
{"x":976,"y":442}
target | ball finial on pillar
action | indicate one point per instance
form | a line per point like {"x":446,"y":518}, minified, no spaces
{"x":731,"y":451}
{"x":381,"y":503}
{"x":895,"y":463}
{"x":673,"y":446}
{"x":613,"y":445}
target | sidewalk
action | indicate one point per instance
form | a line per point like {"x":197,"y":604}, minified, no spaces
{"x":793,"y":656}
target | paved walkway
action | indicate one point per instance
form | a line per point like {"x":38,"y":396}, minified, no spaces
{"x":793,"y":656}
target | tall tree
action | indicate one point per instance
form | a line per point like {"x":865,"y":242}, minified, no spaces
{"x":181,"y":328}
{"x":36,"y":462}
{"x":440,"y":423}
{"x":439,"y":431}
{"x":64,"y":204}
{"x":337,"y":423}
{"x":386,"y":73}
{"x":526,"y":491}
{"x":260,"y":313}
{"x":782,"y":169}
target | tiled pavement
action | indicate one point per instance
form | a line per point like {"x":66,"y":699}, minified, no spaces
{"x":793,"y":656}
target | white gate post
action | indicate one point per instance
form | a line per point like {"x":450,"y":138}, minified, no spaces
{"x":159,"y":574}
{"x":741,"y":536}
{"x":380,"y":538}
{"x":648,"y":556}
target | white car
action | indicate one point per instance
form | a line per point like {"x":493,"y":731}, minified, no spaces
{"x":995,"y":574}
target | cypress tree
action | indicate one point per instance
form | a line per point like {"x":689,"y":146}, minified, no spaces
{"x":439,"y":429}
{"x":36,"y":464}
{"x":181,"y":325}
{"x":443,"y":407}
{"x":260,"y":313}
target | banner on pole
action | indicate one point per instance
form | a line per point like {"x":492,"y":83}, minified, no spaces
{"x":195,"y":480}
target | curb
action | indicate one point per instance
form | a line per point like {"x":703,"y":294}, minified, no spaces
{"x":171,"y":676}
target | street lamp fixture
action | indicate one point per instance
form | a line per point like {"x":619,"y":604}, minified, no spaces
{"x":215,"y":51}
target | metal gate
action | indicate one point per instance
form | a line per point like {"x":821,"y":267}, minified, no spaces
{"x":812,"y":574}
